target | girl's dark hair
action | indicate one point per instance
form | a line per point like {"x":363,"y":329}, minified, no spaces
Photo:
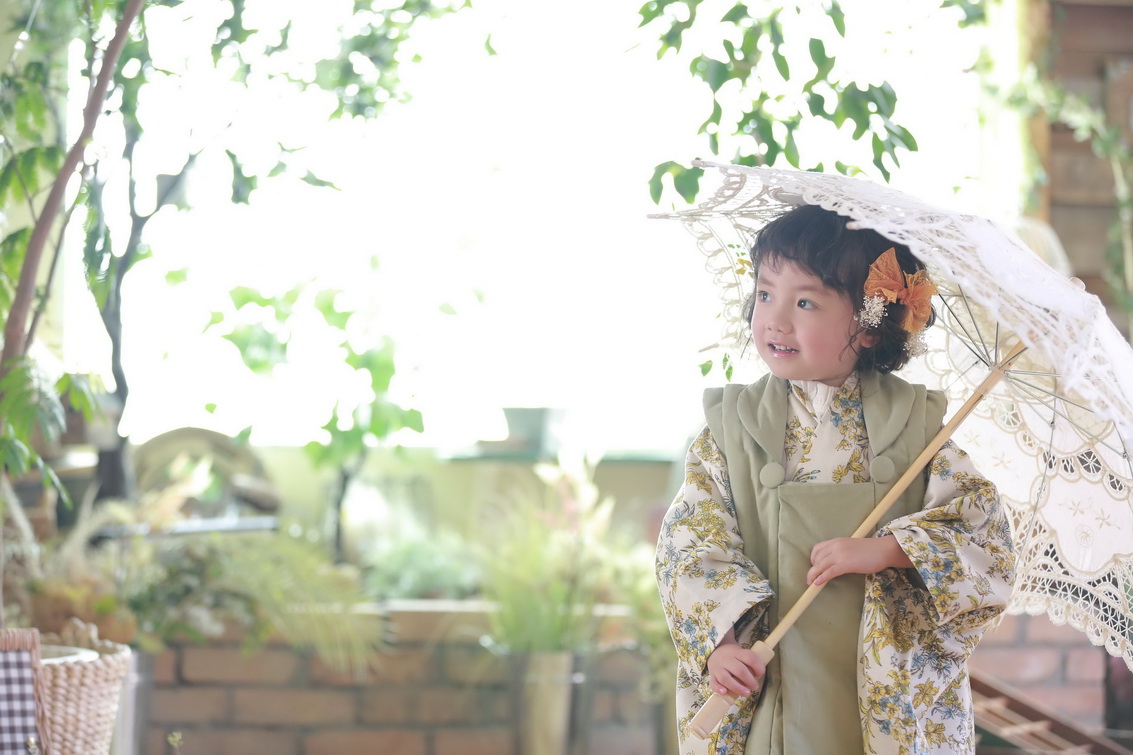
{"x":819,"y":242}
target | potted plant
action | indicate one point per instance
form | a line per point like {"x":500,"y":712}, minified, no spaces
{"x":545,"y":570}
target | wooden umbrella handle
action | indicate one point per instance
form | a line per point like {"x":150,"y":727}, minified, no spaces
{"x":716,"y":706}
{"x":713,"y":710}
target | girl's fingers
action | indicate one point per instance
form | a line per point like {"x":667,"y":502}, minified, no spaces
{"x":727,"y":682}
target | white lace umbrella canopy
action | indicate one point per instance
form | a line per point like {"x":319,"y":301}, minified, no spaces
{"x":1053,"y":435}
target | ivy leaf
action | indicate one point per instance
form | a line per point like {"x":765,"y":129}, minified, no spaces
{"x":705,"y":367}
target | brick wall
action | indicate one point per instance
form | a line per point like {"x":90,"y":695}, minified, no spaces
{"x":1056,"y":667}
{"x":438,"y":692}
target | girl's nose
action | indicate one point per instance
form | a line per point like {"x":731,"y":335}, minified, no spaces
{"x":778,"y":321}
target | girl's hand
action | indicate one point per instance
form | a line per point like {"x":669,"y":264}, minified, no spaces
{"x":734,"y":669}
{"x":854,"y":555}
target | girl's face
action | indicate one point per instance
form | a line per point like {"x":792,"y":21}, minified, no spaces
{"x":802,"y":329}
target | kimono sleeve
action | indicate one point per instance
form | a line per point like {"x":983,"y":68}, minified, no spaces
{"x":707,"y":584}
{"x":960,"y":543}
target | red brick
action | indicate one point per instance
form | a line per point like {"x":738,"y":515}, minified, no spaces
{"x":433,"y":705}
{"x":155,"y":741}
{"x":1086,"y":665}
{"x":228,"y":665}
{"x":180,"y":705}
{"x":475,"y":666}
{"x":1009,"y":631}
{"x":359,"y":741}
{"x":399,"y":665}
{"x":1017,"y":666}
{"x":619,"y":667}
{"x":164,"y":668}
{"x":239,"y":742}
{"x":1040,"y":629}
{"x":293,"y":707}
{"x":622,"y":740}
{"x":500,"y":741}
{"x":1083,"y":704}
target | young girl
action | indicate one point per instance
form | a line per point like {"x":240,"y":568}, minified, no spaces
{"x":788,"y":467}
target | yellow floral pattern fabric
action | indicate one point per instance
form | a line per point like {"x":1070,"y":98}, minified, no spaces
{"x":919,"y":626}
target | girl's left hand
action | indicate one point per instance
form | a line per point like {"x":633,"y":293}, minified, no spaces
{"x":854,"y":555}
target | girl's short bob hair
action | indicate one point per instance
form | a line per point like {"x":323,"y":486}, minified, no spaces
{"x":819,"y":242}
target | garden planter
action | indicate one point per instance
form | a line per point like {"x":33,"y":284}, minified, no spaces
{"x":553,"y":703}
{"x":82,"y":683}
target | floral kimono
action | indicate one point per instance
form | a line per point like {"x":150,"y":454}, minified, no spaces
{"x":898,"y":640}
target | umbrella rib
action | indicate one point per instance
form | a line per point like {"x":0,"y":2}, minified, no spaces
{"x":1052,"y":406}
{"x":976,"y":326}
{"x":959,"y":328}
{"x":1033,"y":386}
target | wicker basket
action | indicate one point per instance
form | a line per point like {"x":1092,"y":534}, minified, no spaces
{"x":81,"y":695}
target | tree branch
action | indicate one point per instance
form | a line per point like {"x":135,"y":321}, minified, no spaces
{"x":15,"y":335}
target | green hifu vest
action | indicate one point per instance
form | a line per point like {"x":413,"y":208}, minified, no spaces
{"x":809,"y":701}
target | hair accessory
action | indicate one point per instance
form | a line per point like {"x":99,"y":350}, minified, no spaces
{"x":888,"y":283}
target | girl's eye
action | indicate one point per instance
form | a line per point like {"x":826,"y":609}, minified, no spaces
{"x":806,"y":304}
{"x":762,"y":296}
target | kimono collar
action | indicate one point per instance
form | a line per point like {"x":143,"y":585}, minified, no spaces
{"x":887,"y":402}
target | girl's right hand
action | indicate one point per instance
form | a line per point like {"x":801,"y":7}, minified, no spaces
{"x":734,"y":669}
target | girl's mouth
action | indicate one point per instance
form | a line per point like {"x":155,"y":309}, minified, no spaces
{"x":778,"y":349}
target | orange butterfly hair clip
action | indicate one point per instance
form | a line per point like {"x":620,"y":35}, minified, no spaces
{"x":888,"y":283}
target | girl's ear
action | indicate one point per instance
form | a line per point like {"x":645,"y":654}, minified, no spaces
{"x":869,"y":339}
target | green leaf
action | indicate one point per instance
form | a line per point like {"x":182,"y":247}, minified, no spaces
{"x":210,"y":408}
{"x":736,"y":14}
{"x":687,"y":183}
{"x":53,"y":479}
{"x":705,"y":367}
{"x":378,"y":362}
{"x":325,"y":303}
{"x":717,"y":112}
{"x":879,"y":152}
{"x":174,"y":277}
{"x":447,"y":309}
{"x":242,"y":185}
{"x":314,"y":180}
{"x":791,"y":150}
{"x":214,"y":318}
{"x":838,"y":16}
{"x":15,"y":456}
{"x":260,"y":349}
{"x":781,"y":64}
{"x":241,"y":295}
{"x":488,"y":46}
{"x":412,"y":419}
{"x":817,"y":104}
{"x":901,"y":134}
